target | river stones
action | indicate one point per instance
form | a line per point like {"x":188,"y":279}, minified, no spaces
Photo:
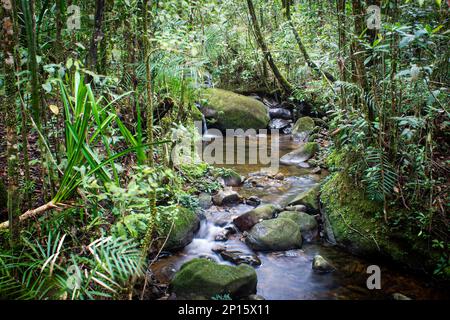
{"x":280,"y":113}
{"x":253,"y":201}
{"x":303,"y":128}
{"x":298,"y":207}
{"x":307,"y":223}
{"x":228,"y":110}
{"x":238,"y":257}
{"x":247,"y":220}
{"x":201,"y":279}
{"x":400,"y":296}
{"x":299,"y":156}
{"x":226,"y":197}
{"x":274,"y":235}
{"x":308,"y":198}
{"x":225,"y":233}
{"x":231,"y":178}
{"x":278,"y":124}
{"x":321,"y":265}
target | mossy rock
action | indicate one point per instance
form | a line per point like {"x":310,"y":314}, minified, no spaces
{"x":307,"y":223}
{"x":234,"y":111}
{"x":247,"y":220}
{"x":196,"y":114}
{"x":308,"y":198}
{"x":303,"y":128}
{"x":186,"y":223}
{"x":274,"y":235}
{"x":356,"y":223}
{"x":202,"y":279}
{"x":3,"y":197}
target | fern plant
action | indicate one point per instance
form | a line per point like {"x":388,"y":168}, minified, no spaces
{"x":380,"y":176}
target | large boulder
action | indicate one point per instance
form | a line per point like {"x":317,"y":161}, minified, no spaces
{"x":228,"y":110}
{"x":307,"y":223}
{"x":303,"y":128}
{"x":353,"y":222}
{"x":308,"y":198}
{"x":185,"y":224}
{"x":302,"y":154}
{"x":274,"y":235}
{"x":247,"y":220}
{"x":202,"y":279}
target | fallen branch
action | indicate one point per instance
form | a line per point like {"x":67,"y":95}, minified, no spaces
{"x":31,"y":213}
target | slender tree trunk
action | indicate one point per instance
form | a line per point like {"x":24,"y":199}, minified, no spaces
{"x":285,"y":85}
{"x":358,"y":55}
{"x":302,"y":48}
{"x":147,"y":6}
{"x":97,"y":35}
{"x":9,"y":110}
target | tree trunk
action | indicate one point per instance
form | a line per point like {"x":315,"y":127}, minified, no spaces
{"x":97,"y":35}
{"x":358,"y":55}
{"x":302,"y":48}
{"x":285,"y":85}
{"x":9,"y":110}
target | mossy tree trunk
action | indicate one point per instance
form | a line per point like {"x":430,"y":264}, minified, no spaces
{"x":285,"y":85}
{"x":9,"y":110}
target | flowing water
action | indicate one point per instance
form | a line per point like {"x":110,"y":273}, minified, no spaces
{"x":288,"y":274}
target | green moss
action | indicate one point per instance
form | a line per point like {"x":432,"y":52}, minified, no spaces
{"x":304,"y":124}
{"x":185,"y":224}
{"x":204,"y":279}
{"x":235,"y":111}
{"x":356,"y":224}
{"x":311,"y":148}
{"x":308,"y":198}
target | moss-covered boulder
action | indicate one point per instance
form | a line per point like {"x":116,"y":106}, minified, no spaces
{"x":308,"y":198}
{"x":202,"y":279}
{"x":185,"y":224}
{"x":303,"y":128}
{"x":274,"y":235}
{"x":307,"y":223}
{"x":229,"y":110}
{"x":247,"y":220}
{"x":355,"y":223}
{"x":302,"y":154}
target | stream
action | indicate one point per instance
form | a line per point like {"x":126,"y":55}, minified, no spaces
{"x":288,"y":275}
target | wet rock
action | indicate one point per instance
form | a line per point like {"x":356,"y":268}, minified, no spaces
{"x":308,"y":198}
{"x":400,"y":296}
{"x":226,"y":197}
{"x":287,"y":130}
{"x":299,"y":156}
{"x":249,"y":219}
{"x":280,"y":113}
{"x":307,"y":223}
{"x":274,"y":235}
{"x":298,"y":207}
{"x":303,"y":128}
{"x":238,"y":257}
{"x":218,"y":249}
{"x":279,"y":176}
{"x":278,"y":124}
{"x":204,"y":279}
{"x":204,"y":200}
{"x":321,"y":265}
{"x":316,"y":170}
{"x":231,"y":179}
{"x":270,"y":103}
{"x":167,"y":273}
{"x":225,"y":233}
{"x":253,"y":201}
